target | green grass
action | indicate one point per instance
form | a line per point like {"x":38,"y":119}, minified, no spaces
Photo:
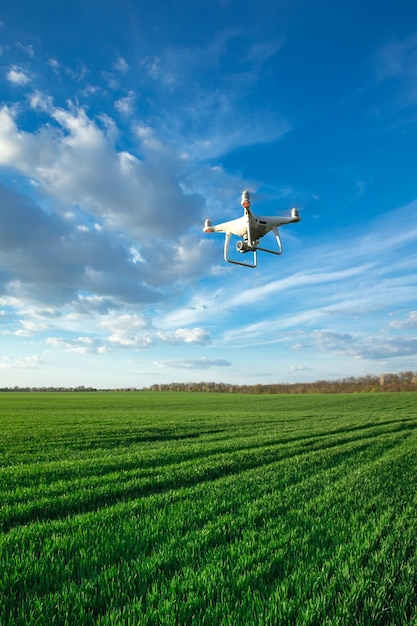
{"x":175,"y":508}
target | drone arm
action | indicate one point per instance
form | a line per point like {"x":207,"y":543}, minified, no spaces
{"x":278,"y":239}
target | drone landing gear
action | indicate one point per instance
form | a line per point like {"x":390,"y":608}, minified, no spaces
{"x":243,"y":246}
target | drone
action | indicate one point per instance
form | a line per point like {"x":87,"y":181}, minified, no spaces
{"x":250,"y":228}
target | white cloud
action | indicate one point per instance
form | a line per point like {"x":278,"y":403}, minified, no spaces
{"x":210,"y":121}
{"x":20,"y":363}
{"x":152,"y":67}
{"x":137,"y":331}
{"x":30,"y":325}
{"x":79,"y":345}
{"x":203,"y":363}
{"x":17,"y":76}
{"x":91,"y":305}
{"x":185,"y":335}
{"x":78,"y":164}
{"x":128,"y":330}
{"x":48,"y":259}
{"x":121,"y":65}
{"x":9,"y":137}
{"x":54,"y":64}
{"x":409,"y":322}
{"x":41,"y":102}
{"x":126,"y":105}
{"x":364,"y":347}
{"x":206,"y":305}
{"x":296,"y":281}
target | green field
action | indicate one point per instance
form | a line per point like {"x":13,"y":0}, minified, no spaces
{"x":176,"y":508}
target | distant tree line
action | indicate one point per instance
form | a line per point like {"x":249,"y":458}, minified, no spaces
{"x":403,"y":381}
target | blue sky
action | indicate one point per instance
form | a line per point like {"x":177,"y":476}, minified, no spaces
{"x":123,"y":125}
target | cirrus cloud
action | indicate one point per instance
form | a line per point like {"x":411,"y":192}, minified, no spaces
{"x":202,"y":363}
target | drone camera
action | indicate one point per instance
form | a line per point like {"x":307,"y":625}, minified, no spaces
{"x":242,"y":246}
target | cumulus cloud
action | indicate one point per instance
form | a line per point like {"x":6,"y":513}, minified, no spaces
{"x":41,"y":102}
{"x":54,"y":64}
{"x":46,"y":258}
{"x":129,"y":330}
{"x":75,"y":162}
{"x":388,"y":348}
{"x":126,"y":104}
{"x":185,"y":335}
{"x":91,"y":305}
{"x":137,"y":331}
{"x":121,"y":65}
{"x":410,"y":321}
{"x":27,"y":362}
{"x":78,"y":345}
{"x":17,"y":76}
{"x":160,"y":72}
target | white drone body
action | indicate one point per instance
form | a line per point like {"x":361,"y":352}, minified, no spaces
{"x":250,"y":228}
